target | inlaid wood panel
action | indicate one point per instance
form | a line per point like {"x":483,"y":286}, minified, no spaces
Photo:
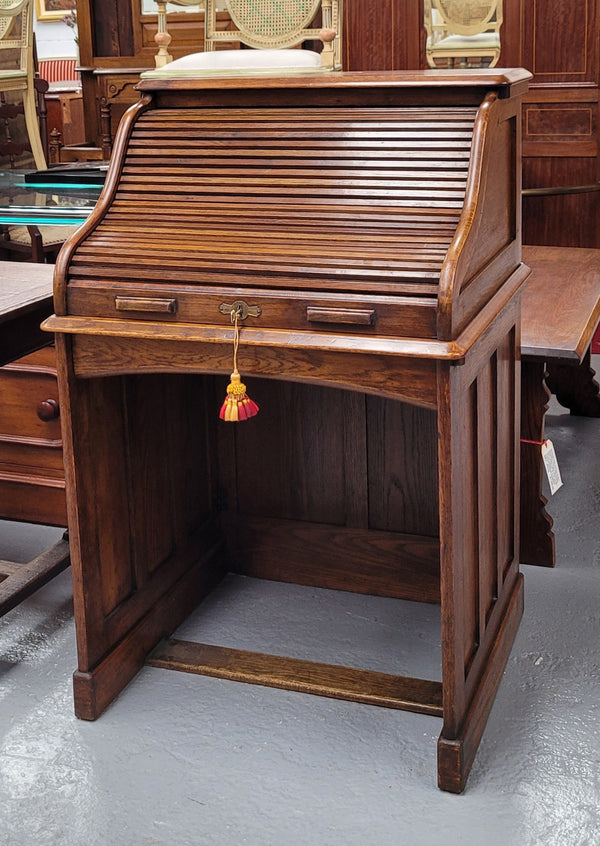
{"x":560,"y":40}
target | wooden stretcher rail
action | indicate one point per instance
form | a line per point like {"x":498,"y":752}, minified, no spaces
{"x":365,"y":686}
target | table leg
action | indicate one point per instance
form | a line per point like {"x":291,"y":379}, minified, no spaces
{"x":575,"y":387}
{"x":537,"y":538}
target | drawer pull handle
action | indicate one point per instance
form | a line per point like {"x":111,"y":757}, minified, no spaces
{"x":48,"y":410}
{"x":355,"y":316}
{"x":157,"y":305}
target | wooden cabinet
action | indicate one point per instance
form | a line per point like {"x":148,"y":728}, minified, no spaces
{"x":116,"y":43}
{"x":558,"y":43}
{"x":381,"y":345}
{"x":65,"y":114}
{"x":32,"y":481}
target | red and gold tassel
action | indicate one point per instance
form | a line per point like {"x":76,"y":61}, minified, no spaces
{"x":237,"y":405}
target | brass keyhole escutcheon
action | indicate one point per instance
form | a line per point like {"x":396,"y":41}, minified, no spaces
{"x":240,"y":309}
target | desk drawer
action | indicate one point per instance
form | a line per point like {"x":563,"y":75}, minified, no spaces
{"x":396,"y":316}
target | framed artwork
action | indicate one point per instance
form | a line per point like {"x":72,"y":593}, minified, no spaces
{"x":53,"y":10}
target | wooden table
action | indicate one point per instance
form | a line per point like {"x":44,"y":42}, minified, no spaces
{"x":560,"y":311}
{"x":25,"y":300}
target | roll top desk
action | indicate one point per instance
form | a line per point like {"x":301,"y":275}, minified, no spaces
{"x":362,"y":232}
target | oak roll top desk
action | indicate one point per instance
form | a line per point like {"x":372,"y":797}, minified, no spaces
{"x":362,"y":231}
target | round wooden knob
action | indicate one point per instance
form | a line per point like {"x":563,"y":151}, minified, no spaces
{"x":327,"y":35}
{"x":48,"y":410}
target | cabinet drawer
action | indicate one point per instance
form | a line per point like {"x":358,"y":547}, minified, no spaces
{"x":25,"y":386}
{"x":32,"y":486}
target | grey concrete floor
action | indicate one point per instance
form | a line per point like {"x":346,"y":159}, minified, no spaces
{"x":183,"y":760}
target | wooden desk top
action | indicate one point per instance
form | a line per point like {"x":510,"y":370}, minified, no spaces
{"x":561,"y":302}
{"x":22,"y":286}
{"x":25,"y":300}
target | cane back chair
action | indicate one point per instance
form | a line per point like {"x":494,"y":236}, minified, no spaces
{"x":273,"y":28}
{"x":17,"y":66}
{"x":463,"y":31}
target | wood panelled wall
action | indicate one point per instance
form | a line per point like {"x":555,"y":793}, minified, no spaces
{"x":383,"y":35}
{"x":557,"y":41}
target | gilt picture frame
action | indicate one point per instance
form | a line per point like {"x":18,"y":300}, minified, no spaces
{"x":53,"y":10}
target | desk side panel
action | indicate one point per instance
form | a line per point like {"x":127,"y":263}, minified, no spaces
{"x":479,"y":504}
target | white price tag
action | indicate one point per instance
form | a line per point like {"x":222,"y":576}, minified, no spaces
{"x":551,"y":465}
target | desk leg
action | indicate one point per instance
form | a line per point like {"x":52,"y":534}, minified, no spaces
{"x":575,"y":387}
{"x":481,"y":586}
{"x":537,"y":537}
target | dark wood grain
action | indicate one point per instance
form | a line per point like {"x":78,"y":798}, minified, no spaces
{"x":537,"y":538}
{"x":32,"y":482}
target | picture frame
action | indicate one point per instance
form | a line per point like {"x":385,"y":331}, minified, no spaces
{"x":53,"y":10}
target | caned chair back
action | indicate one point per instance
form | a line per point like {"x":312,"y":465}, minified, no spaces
{"x":276,"y":24}
{"x":272,"y":24}
{"x":463,"y":31}
{"x":16,"y":29}
{"x":16,"y":66}
{"x":469,"y":17}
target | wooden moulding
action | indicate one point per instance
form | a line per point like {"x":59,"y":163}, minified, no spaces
{"x":366,"y":686}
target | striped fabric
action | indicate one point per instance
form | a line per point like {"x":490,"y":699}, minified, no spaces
{"x":58,"y":70}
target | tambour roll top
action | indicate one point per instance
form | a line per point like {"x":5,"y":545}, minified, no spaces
{"x":381,"y":205}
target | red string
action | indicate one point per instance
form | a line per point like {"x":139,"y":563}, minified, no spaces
{"x":537,"y":443}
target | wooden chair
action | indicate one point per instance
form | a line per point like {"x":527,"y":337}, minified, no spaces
{"x":163,"y":37}
{"x":17,"y":71}
{"x":32,"y":243}
{"x":463,"y":30}
{"x":272,"y":29}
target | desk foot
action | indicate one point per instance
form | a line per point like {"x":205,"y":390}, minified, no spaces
{"x":456,"y":755}
{"x":95,"y":689}
{"x":575,"y":387}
